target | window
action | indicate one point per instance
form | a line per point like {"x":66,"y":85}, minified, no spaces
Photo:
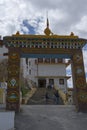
{"x":52,"y":60}
{"x":36,"y":61}
{"x":40,"y":60}
{"x":30,"y":72}
{"x":47,"y":60}
{"x":51,"y":81}
{"x":29,"y":63}
{"x":60,"y":60}
{"x":61,"y":81}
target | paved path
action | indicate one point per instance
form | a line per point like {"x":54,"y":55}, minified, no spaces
{"x":50,"y":117}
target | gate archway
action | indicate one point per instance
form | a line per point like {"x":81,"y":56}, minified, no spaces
{"x":47,"y":46}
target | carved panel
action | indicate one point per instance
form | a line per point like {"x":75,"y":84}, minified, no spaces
{"x":13,"y":91}
{"x":79,"y":81}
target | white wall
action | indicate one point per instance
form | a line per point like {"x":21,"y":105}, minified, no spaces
{"x":33,"y":68}
{"x":51,"y":70}
{"x":63,"y":87}
{"x":7,"y":120}
{"x":47,"y":70}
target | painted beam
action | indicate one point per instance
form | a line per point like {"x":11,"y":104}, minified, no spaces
{"x":23,"y":55}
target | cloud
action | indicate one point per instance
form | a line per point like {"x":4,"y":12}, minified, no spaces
{"x":63,"y":19}
{"x":68,"y":70}
{"x":69,"y":73}
{"x":70,"y":83}
{"x":85,"y":60}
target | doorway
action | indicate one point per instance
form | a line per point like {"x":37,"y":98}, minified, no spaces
{"x":41,"y":83}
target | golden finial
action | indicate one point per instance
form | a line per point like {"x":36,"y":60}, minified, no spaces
{"x":72,"y":34}
{"x":47,"y":23}
{"x":47,"y":31}
{"x":17,"y":33}
{"x":47,"y":20}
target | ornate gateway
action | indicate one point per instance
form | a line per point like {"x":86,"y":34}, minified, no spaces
{"x":49,"y":46}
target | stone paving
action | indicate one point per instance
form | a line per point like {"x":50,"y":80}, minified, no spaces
{"x":50,"y":117}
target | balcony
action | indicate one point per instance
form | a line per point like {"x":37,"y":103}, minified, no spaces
{"x":52,"y":61}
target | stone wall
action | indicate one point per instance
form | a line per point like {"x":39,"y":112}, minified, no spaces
{"x":7,"y":120}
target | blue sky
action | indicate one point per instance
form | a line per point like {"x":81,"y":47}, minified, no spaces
{"x":31,"y":29}
{"x":29,"y":17}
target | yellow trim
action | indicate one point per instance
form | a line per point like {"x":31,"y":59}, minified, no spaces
{"x":44,"y":36}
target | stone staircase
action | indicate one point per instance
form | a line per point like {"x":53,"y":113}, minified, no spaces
{"x":39,"y":97}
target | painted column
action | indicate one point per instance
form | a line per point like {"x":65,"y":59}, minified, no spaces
{"x":13,"y":89}
{"x":79,"y":81}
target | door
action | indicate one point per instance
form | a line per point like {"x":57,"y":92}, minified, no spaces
{"x":41,"y":83}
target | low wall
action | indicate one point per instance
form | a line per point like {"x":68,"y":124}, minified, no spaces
{"x":7,"y":120}
{"x":2,"y":96}
{"x":62,"y":95}
{"x":28,"y":95}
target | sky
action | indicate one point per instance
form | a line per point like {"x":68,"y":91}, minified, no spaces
{"x":29,"y":17}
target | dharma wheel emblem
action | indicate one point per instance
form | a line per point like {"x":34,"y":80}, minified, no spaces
{"x":13,"y":82}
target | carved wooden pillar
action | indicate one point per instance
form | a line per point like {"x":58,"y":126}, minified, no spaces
{"x":79,"y":81}
{"x":13,"y":89}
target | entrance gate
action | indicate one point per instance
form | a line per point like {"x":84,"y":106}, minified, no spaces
{"x":46,"y":46}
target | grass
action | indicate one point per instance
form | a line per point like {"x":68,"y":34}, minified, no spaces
{"x":24,"y":91}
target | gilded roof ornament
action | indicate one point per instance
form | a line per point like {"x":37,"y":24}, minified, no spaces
{"x":72,"y":34}
{"x":47,"y":31}
{"x":17,"y":33}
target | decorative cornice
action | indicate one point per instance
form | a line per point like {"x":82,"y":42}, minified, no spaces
{"x":44,"y":42}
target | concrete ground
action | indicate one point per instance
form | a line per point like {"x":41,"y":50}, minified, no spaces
{"x":50,"y":117}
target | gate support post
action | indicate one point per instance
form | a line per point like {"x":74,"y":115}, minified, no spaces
{"x":79,"y":81}
{"x":13,"y":89}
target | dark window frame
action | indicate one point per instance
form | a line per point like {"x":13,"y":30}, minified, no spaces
{"x":61,"y":81}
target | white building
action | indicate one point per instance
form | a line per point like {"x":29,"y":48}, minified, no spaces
{"x":47,"y":71}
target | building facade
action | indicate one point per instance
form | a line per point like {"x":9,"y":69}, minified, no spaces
{"x":47,"y":71}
